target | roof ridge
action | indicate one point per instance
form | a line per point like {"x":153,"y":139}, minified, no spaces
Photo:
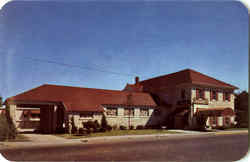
{"x":157,"y":77}
{"x":107,"y":90}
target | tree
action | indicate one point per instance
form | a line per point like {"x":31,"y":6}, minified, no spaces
{"x":104,"y":122}
{"x":1,"y":101}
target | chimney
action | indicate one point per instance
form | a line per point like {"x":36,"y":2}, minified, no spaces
{"x":136,"y":80}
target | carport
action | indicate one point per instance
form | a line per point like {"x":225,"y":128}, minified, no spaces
{"x":51,"y":114}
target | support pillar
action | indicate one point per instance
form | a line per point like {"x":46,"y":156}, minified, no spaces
{"x":54,"y":118}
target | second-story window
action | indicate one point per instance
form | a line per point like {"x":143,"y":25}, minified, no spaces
{"x":226,"y":96}
{"x":200,"y":93}
{"x":213,"y":95}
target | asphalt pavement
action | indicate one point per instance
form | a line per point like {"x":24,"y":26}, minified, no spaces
{"x":206,"y":147}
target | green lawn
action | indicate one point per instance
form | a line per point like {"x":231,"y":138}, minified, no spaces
{"x":118,"y":133}
{"x":236,"y":129}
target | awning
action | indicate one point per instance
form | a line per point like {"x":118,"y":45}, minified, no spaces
{"x":215,"y":111}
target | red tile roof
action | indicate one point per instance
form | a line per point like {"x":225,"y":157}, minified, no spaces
{"x":133,"y":88}
{"x":185,"y":76}
{"x":83,"y":99}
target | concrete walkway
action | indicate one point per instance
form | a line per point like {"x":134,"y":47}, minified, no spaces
{"x":52,"y":140}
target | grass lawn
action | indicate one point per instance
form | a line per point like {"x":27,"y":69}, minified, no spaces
{"x":236,"y":129}
{"x":118,"y":133}
{"x":19,"y":138}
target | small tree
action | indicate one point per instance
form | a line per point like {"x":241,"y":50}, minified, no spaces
{"x":7,"y":127}
{"x":1,"y":101}
{"x":104,"y":123}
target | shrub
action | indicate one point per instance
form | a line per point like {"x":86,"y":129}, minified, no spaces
{"x":91,"y":126}
{"x":139,"y":127}
{"x":97,"y":125}
{"x":82,"y":131}
{"x":7,"y":128}
{"x":131,"y":127}
{"x":114,"y":127}
{"x":104,"y":122}
{"x":108,"y":128}
{"x":122,"y":127}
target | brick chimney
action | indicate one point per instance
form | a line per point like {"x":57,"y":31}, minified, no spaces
{"x":136,"y":80}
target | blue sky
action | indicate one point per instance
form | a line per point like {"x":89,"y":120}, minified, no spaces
{"x":106,"y":44}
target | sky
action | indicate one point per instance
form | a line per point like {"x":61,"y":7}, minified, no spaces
{"x":106,"y":44}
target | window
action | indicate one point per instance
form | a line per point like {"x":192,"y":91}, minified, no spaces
{"x":86,"y":115}
{"x":111,"y":111}
{"x":227,"y":96}
{"x":128,"y":112}
{"x":144,"y":112}
{"x":200,"y":94}
{"x":213,"y":95}
{"x":213,"y":120}
{"x":183,"y":94}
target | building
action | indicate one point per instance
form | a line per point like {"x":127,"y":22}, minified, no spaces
{"x":186,"y":94}
{"x":59,"y":105}
{"x":176,"y":100}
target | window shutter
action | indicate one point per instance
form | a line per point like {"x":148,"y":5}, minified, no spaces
{"x":224,"y":96}
{"x":211,"y":95}
{"x":229,"y":97}
{"x":217,"y":96}
{"x":197,"y":93}
{"x":203,"y":94}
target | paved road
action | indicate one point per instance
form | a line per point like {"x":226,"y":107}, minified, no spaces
{"x":229,"y":147}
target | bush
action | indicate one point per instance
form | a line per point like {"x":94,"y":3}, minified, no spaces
{"x":139,"y":127}
{"x":82,"y":131}
{"x":95,"y":126}
{"x":131,"y":127}
{"x":114,"y":127}
{"x":7,"y":128}
{"x":104,"y":122}
{"x":108,"y":128}
{"x":122,"y":127}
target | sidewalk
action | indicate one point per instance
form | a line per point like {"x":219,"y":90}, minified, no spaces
{"x":38,"y":140}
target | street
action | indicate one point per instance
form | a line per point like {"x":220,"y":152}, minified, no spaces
{"x":229,"y":147}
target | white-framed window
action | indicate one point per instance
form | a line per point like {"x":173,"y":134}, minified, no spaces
{"x":227,"y":96}
{"x":129,"y":112}
{"x":144,"y":112}
{"x":111,"y":111}
{"x":214,"y":95}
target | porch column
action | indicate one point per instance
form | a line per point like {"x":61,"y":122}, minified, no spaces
{"x":54,"y":118}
